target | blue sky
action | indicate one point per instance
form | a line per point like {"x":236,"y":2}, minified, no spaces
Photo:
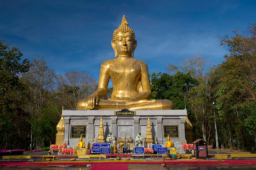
{"x":76,"y":35}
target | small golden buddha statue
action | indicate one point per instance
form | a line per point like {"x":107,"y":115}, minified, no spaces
{"x":130,"y":79}
{"x":81,"y":143}
{"x":168,"y":143}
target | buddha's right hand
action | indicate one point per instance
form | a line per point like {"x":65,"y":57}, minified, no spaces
{"x":93,"y":100}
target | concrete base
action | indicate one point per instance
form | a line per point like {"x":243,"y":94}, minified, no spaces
{"x":101,"y":141}
{"x":121,"y":125}
{"x":149,"y":142}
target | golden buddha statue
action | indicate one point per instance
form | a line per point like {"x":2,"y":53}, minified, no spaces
{"x":130,"y":78}
{"x":81,"y":143}
{"x":168,"y":143}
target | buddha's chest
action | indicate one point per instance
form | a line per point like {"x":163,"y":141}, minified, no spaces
{"x":168,"y":144}
{"x":125,"y":70}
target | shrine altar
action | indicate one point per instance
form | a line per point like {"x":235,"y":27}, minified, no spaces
{"x":86,"y":123}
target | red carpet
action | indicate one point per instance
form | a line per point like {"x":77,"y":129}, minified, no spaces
{"x":123,"y":165}
{"x":113,"y":166}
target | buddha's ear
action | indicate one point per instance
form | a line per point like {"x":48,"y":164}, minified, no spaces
{"x":134,"y":47}
{"x":114,"y":47}
{"x":134,"y":44}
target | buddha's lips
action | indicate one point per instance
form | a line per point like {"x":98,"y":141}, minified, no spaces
{"x":124,"y":48}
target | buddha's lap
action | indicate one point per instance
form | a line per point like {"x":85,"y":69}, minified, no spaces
{"x":150,"y":104}
{"x":169,"y":144}
{"x":81,"y":145}
{"x":107,"y":102}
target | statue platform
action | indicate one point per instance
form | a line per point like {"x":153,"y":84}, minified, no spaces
{"x":119,"y":125}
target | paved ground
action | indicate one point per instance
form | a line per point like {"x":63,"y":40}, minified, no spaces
{"x":211,"y":152}
{"x":226,"y":151}
{"x":117,"y":166}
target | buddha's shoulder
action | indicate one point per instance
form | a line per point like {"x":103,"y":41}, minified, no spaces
{"x":107,"y":62}
{"x":115,"y":61}
{"x":139,"y":62}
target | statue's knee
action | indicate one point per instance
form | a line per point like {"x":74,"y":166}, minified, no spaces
{"x":82,"y":105}
{"x":167,"y":104}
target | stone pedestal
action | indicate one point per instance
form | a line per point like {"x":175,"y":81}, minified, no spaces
{"x":159,"y":127}
{"x":119,"y":125}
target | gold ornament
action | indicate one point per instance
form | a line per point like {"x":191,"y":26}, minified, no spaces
{"x":101,"y":133}
{"x":149,"y":138}
{"x":60,"y":131}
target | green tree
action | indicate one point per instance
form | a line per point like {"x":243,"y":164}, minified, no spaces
{"x":13,"y":119}
{"x":40,"y":80}
{"x":45,"y":127}
{"x":174,"y":88}
{"x":236,"y":91}
{"x":199,"y":97}
{"x":249,"y":113}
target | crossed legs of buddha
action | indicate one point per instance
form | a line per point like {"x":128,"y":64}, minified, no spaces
{"x":131,"y":105}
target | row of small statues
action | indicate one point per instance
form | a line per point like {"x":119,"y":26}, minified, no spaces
{"x":111,"y":139}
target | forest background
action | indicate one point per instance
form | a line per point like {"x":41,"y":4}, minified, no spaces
{"x":32,"y":95}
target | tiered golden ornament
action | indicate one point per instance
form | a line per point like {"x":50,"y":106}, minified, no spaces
{"x":101,"y":138}
{"x":149,"y":138}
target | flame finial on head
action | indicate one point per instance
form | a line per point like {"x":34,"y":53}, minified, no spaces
{"x":124,"y":27}
{"x":124,"y":21}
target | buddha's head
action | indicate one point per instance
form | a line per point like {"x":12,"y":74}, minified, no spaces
{"x":81,"y":137}
{"x":124,"y":42}
{"x":168,"y":138}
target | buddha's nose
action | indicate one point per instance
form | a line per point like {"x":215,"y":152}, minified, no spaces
{"x":123,"y":41}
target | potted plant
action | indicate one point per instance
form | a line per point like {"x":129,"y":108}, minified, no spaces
{"x":54,"y":148}
{"x":173,"y":156}
{"x":148,"y":151}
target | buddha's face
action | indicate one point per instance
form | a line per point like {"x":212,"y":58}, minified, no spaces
{"x":124,"y":44}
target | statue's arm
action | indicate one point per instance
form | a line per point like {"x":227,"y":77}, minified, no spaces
{"x":103,"y":78}
{"x":145,"y":83}
{"x":102,"y":86}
